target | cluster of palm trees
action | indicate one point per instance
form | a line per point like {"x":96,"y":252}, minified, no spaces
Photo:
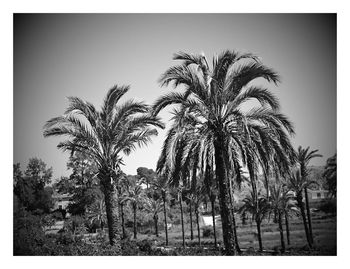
{"x":222,"y":126}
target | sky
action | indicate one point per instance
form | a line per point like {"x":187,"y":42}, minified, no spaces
{"x":56,"y":56}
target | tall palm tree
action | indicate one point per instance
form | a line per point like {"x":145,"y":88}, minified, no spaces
{"x":136,"y":197}
{"x":258,"y":207}
{"x":304,"y":157}
{"x":103,"y":135}
{"x":330,"y":173}
{"x":154,"y":207}
{"x":212,"y":105}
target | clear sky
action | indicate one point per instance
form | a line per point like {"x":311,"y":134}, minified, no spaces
{"x":56,"y":56}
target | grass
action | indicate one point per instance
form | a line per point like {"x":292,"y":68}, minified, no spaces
{"x":324,"y":231}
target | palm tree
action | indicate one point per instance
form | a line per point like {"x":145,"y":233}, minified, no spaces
{"x":290,"y":209}
{"x":122,"y":195}
{"x":154,"y":207}
{"x":211,"y":105}
{"x":188,"y":195}
{"x":198,"y":194}
{"x":330,"y":173}
{"x":258,"y":207}
{"x":161,"y":185}
{"x":103,"y":136}
{"x":297,"y":184}
{"x":304,"y":157}
{"x":136,"y":197}
{"x":97,"y":212}
{"x":280,"y":201}
{"x":212,"y":193}
{"x":180,"y":193}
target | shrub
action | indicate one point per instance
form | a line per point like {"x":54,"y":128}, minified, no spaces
{"x":57,"y":215}
{"x":208,"y":231}
{"x":329,"y":207}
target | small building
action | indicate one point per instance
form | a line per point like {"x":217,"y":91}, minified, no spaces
{"x":61,"y":201}
{"x":317,"y":195}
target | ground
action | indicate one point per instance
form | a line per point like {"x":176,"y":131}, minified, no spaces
{"x":324,"y":231}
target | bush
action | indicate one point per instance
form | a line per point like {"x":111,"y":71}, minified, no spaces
{"x":329,"y":207}
{"x":28,"y":234}
{"x":208,"y":231}
{"x":57,"y":215}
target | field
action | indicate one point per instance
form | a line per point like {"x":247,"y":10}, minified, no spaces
{"x":324,"y":231}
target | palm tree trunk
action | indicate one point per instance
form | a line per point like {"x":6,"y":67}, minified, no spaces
{"x":224,"y":197}
{"x":302,"y":211}
{"x":165,"y":221}
{"x":212,"y":200}
{"x":156,"y":225}
{"x":182,"y":222}
{"x":281,"y":231}
{"x":244,"y":218}
{"x":112,"y":211}
{"x":198,"y":228}
{"x":308,"y":216}
{"x":258,"y":223}
{"x":235,"y":233}
{"x":234,"y":221}
{"x":266,"y":185}
{"x":275,"y":216}
{"x":122,"y":215}
{"x":191,"y":219}
{"x":287,"y":227}
{"x":135,"y":221}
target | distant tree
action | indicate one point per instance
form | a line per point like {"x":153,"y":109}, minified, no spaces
{"x":297,"y":184}
{"x":198,"y":195}
{"x":146,"y":175}
{"x":83,"y":198}
{"x":303,"y":157}
{"x":180,"y":194}
{"x":82,"y":183}
{"x":161,"y":185}
{"x":330,"y":173}
{"x":280,"y":202}
{"x":154,"y":207}
{"x":135,"y":196}
{"x":97,"y":212}
{"x":31,"y":189}
{"x":17,"y":173}
{"x":64,"y":185}
{"x":258,"y":207}
{"x":36,"y":169}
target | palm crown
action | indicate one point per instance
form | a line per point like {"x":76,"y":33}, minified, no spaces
{"x":104,"y":134}
{"x":211,"y":104}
